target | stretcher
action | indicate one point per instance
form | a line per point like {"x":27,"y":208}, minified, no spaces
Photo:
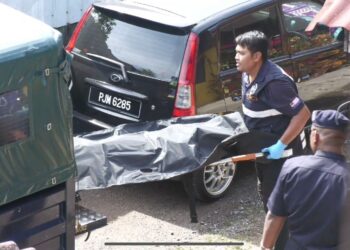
{"x":250,"y":157}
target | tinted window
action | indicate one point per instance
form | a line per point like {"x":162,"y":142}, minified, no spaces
{"x":208,"y":88}
{"x":265,"y":20}
{"x":152,"y":52}
{"x":14,"y":116}
{"x":297,"y":16}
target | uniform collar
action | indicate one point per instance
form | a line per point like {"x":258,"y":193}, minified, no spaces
{"x":260,"y":78}
{"x":330,"y":155}
{"x":262,"y":72}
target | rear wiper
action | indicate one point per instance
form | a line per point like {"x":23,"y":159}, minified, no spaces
{"x":121,"y":65}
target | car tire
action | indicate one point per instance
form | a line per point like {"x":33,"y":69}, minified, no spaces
{"x":212,"y":182}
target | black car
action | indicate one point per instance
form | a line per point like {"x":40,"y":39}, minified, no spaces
{"x":155,"y":59}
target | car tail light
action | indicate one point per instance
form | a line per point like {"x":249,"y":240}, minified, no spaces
{"x":77,"y":30}
{"x":185,"y":96}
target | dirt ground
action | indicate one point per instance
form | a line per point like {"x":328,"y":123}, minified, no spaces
{"x":159,"y":212}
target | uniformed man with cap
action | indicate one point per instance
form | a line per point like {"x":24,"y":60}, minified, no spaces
{"x":270,"y":104}
{"x":311,"y":190}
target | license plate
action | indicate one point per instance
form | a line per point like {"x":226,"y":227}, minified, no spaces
{"x":114,"y":102}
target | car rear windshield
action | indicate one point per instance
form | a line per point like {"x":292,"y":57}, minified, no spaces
{"x":148,"y":49}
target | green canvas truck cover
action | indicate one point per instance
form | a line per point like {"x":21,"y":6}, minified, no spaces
{"x":36,"y":145}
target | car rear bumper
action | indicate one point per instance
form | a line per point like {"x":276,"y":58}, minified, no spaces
{"x":84,"y":123}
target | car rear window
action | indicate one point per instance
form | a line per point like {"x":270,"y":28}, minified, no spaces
{"x":156,"y":52}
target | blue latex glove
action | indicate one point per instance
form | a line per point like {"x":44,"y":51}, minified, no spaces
{"x":275,"y":151}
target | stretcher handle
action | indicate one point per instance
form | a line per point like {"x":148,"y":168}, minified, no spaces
{"x":254,"y":156}
{"x":247,"y":157}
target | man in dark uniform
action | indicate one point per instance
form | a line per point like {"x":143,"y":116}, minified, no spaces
{"x":311,"y":190}
{"x":270,"y":104}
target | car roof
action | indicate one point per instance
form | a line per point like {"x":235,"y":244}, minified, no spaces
{"x":176,"y":13}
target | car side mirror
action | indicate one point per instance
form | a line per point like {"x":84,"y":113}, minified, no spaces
{"x":344,"y":108}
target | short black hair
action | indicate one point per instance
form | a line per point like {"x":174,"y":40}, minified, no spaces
{"x":255,"y":41}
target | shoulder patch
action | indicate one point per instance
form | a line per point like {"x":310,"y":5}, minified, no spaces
{"x":296,"y":101}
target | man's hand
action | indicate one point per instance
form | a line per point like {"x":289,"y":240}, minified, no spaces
{"x":275,"y":151}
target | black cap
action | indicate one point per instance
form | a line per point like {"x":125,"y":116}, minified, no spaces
{"x":330,"y":119}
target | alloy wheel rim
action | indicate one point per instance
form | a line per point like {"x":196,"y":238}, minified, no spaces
{"x":218,"y":177}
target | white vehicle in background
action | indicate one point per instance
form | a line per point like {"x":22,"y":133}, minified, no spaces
{"x":62,"y":15}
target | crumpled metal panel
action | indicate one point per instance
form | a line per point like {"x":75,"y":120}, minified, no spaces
{"x":334,"y":13}
{"x":151,"y":151}
{"x":56,"y":13}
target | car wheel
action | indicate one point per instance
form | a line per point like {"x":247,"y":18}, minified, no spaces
{"x":212,"y":181}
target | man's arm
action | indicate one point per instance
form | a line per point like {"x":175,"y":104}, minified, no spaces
{"x":272,"y":228}
{"x":296,"y":125}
